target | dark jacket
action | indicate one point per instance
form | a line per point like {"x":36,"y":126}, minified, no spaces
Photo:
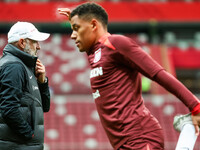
{"x":22,"y":102}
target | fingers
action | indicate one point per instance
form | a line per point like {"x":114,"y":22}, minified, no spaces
{"x":38,"y":60}
{"x":196,"y":120}
{"x":64,"y":11}
{"x":39,"y":64}
{"x":40,"y":74}
{"x":39,"y":67}
{"x":196,"y":130}
{"x":40,"y":71}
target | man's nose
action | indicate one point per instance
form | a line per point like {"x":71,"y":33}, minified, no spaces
{"x":73,"y":35}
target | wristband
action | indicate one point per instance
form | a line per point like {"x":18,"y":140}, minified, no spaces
{"x":196,"y":109}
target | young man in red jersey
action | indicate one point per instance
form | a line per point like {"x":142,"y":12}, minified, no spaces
{"x":116,"y":63}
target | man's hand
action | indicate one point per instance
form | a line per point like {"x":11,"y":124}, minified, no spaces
{"x":40,"y":71}
{"x":64,"y":11}
{"x":196,"y":122}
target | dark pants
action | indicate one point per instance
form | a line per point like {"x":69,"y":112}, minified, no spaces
{"x":6,"y":145}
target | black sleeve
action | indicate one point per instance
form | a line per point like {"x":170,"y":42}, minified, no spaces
{"x":45,"y":95}
{"x":11,"y":84}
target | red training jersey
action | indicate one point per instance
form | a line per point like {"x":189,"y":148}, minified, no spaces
{"x":115,"y":63}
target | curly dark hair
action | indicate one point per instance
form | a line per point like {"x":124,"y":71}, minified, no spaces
{"x":91,"y":10}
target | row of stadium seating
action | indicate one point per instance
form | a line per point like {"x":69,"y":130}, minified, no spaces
{"x":68,"y":69}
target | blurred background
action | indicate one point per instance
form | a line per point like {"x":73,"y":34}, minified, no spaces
{"x":169,"y":30}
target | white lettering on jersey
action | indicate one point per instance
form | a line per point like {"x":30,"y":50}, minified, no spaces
{"x":96,"y":94}
{"x":96,"y":72}
{"x":97,"y":55}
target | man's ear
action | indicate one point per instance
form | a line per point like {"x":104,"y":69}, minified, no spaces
{"x":21,"y":44}
{"x":94,"y":24}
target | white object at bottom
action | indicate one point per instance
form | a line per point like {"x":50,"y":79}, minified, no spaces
{"x":187,"y":138}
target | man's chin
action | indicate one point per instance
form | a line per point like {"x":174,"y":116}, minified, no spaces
{"x":81,"y":50}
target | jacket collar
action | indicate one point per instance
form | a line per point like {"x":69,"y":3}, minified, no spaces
{"x":27,"y":59}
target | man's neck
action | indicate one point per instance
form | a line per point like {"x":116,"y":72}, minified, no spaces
{"x":100,"y":34}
